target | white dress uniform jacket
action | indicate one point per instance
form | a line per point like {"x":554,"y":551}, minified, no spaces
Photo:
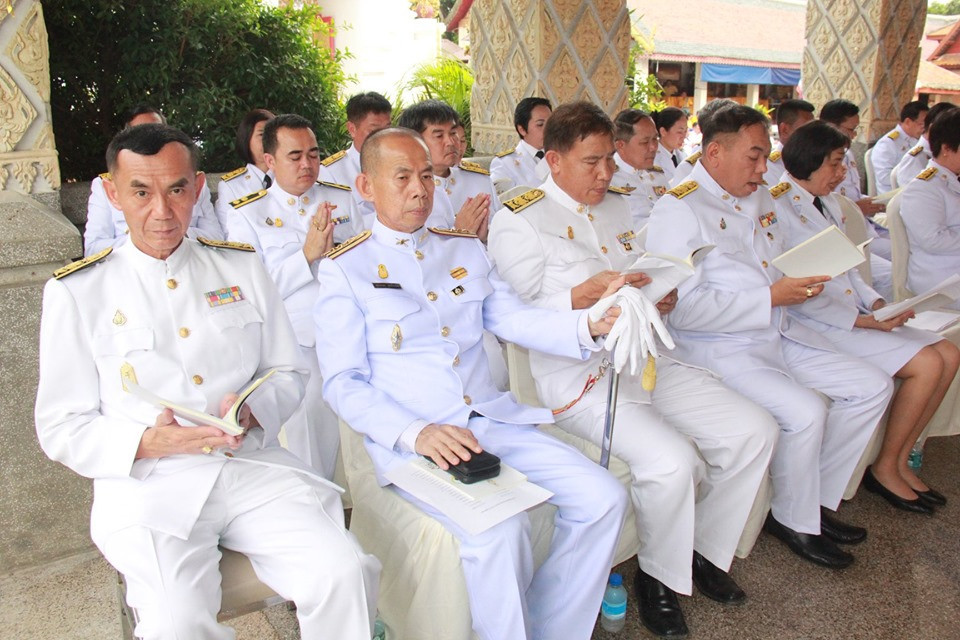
{"x":930,"y":208}
{"x":887,"y":153}
{"x":106,"y":226}
{"x":724,"y":320}
{"x":515,"y":168}
{"x":645,"y":187}
{"x":546,"y":248}
{"x":775,"y":166}
{"x":665,"y":159}
{"x":683,"y":170}
{"x":913,"y":162}
{"x":467,"y":180}
{"x":235,"y":185}
{"x":399,"y":324}
{"x":343,"y":167}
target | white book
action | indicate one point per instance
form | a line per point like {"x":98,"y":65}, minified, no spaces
{"x":942,"y":295}
{"x":829,"y":253}
{"x":935,"y":321}
{"x":667,"y":272}
{"x":886,"y":197}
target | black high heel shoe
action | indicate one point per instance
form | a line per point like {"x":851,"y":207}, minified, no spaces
{"x":873,"y":485}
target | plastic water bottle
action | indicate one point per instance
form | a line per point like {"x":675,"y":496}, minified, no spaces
{"x":613,"y":611}
{"x":379,"y":630}
{"x":915,"y":459}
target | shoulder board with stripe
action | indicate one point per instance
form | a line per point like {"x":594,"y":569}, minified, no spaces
{"x":684,"y":189}
{"x":105,"y":175}
{"x":656,"y":169}
{"x":621,"y":190}
{"x":225,"y":244}
{"x":917,"y":150}
{"x":473,"y":167}
{"x":227,"y":177}
{"x":334,"y":185}
{"x":779,"y":190}
{"x":73,"y":267}
{"x":247,"y":199}
{"x":693,"y":157}
{"x":456,"y":233}
{"x":524,"y":200}
{"x":329,"y":160}
{"x":503,"y":154}
{"x":927,"y":173}
{"x":346,"y":245}
{"x":893,"y":135}
{"x":775,"y":156}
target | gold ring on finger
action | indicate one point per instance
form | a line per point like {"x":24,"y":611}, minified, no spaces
{"x":207,"y":449}
{"x":809,"y":292}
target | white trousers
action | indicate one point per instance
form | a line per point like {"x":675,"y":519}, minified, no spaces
{"x":560,"y":601}
{"x":697,"y":457}
{"x":313,"y":431}
{"x":293,"y":533}
{"x":819,"y":447}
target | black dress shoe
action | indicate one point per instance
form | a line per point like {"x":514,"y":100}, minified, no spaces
{"x":932,"y":497}
{"x":659,"y":608}
{"x":817,"y":549}
{"x":714,"y":582}
{"x":873,"y":485}
{"x":840,"y":532}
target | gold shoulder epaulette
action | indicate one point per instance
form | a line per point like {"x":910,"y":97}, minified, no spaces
{"x":927,"y":173}
{"x":506,"y":153}
{"x":693,"y":157}
{"x":227,"y":177}
{"x":893,"y":135}
{"x":656,"y":169}
{"x":247,"y":199}
{"x":775,"y":156}
{"x":73,"y":267}
{"x":622,"y":191}
{"x":329,"y":160}
{"x":334,"y":185}
{"x":779,"y":190}
{"x":684,"y":189}
{"x":346,"y":245}
{"x":105,"y":175}
{"x":225,"y":244}
{"x":473,"y":167}
{"x":524,"y":200}
{"x":456,"y":233}
{"x":916,"y":150}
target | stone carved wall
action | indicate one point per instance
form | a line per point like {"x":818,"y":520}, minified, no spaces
{"x":562,"y":50}
{"x":866,"y":51}
{"x":28,"y":156}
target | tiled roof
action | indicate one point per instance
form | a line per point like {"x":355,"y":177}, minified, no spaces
{"x":934,"y":79}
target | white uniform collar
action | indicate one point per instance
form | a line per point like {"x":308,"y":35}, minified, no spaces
{"x":142,"y":262}
{"x":802,"y":195}
{"x":949,"y":177}
{"x":625,"y":166}
{"x":526,"y":148}
{"x":309,"y":197}
{"x":398,"y":240}
{"x":911,"y":139}
{"x":554,"y":191}
{"x":703,"y":178}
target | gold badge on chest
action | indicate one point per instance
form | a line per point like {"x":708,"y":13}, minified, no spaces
{"x":570,"y":232}
{"x":382,"y":271}
{"x":396,"y":337}
{"x":119,"y":319}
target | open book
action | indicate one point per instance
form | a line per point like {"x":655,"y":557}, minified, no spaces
{"x":667,"y":272}
{"x":942,"y":295}
{"x":935,"y":321}
{"x":829,"y":253}
{"x":230,"y":423}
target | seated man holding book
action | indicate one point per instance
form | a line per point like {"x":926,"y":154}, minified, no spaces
{"x":697,"y":450}
{"x":195,"y":321}
{"x":731,"y":318}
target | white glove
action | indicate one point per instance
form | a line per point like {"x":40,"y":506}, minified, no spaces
{"x":631,"y":339}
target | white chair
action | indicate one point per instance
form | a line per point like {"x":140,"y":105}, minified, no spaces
{"x":856,"y":230}
{"x":899,"y":249}
{"x":894,"y":183}
{"x":871,"y":174}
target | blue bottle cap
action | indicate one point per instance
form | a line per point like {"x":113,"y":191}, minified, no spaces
{"x":616,"y":579}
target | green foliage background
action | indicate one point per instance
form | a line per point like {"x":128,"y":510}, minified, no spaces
{"x":950,"y":8}
{"x":204,"y":63}
{"x":446,"y":79}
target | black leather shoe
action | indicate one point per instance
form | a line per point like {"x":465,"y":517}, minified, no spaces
{"x":714,"y":582}
{"x":873,"y":485}
{"x":659,"y":608}
{"x":817,"y":549}
{"x":840,"y":532}
{"x":932,"y":497}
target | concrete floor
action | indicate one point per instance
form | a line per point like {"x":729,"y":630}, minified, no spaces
{"x":904,"y":584}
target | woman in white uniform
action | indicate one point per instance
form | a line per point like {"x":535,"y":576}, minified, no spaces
{"x":672,"y":129}
{"x":254,"y":175}
{"x":924,"y":363}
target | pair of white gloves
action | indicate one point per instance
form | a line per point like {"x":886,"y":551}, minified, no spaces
{"x":633,"y":338}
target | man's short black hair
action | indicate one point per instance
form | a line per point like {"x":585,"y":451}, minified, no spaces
{"x":668,"y":117}
{"x":245,"y":132}
{"x":148,"y":140}
{"x":809,"y":146}
{"x":359,"y":105}
{"x":935,"y":112}
{"x":524,"y":112}
{"x":573,"y":122}
{"x":945,"y":131}
{"x":708,"y":110}
{"x":421,"y":115}
{"x":836,"y":111}
{"x":789,"y":110}
{"x":285,"y":121}
{"x":912,"y":110}
{"x":731,"y":120}
{"x":624,"y":121}
{"x":140,"y":109}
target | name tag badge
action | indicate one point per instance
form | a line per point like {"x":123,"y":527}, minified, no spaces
{"x":386,"y":285}
{"x":457,"y":290}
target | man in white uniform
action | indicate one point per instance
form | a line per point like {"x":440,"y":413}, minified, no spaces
{"x":790,"y":115}
{"x":897,"y":142}
{"x":559,"y":246}
{"x":644,"y":182}
{"x":731,"y":318}
{"x":291,"y":225}
{"x":517,"y":167}
{"x":399,"y":322}
{"x":931,"y":209}
{"x":703,"y":120}
{"x":197,"y":322}
{"x":915,"y":160}
{"x":106,"y":226}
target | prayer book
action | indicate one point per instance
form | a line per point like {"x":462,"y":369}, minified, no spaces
{"x":942,"y":295}
{"x":667,"y":272}
{"x":829,"y":253}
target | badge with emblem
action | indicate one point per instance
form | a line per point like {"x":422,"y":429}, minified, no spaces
{"x":119,"y":318}
{"x":570,"y":232}
{"x":457,"y":290}
{"x":625,"y":238}
{"x":340,"y":220}
{"x":803,"y":219}
{"x":396,"y":337}
{"x":659,"y":191}
{"x":769,"y":236}
{"x":723,"y":223}
{"x":226,"y":295}
{"x":459,"y":273}
{"x":382,"y":271}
